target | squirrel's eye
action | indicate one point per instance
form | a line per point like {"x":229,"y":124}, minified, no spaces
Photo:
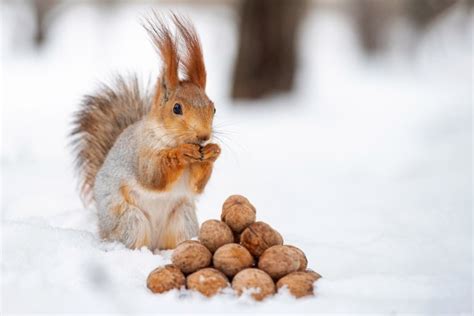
{"x":214,"y":110}
{"x":177,"y":109}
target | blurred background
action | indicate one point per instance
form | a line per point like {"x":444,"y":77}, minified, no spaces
{"x":348,"y":123}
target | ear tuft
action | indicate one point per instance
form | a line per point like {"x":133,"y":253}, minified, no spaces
{"x":193,"y":62}
{"x":165,"y":44}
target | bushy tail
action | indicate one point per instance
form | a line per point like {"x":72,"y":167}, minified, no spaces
{"x":102,"y":118}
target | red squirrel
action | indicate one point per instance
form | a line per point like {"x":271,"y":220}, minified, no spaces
{"x":145,"y":157}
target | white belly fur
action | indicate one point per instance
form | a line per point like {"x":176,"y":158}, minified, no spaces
{"x":171,"y":213}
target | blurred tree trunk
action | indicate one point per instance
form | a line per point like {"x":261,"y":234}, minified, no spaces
{"x":267,"y":47}
{"x":423,"y":12}
{"x":372,"y":18}
{"x":41,"y":8}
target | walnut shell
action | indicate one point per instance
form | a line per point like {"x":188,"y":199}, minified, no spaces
{"x":258,"y":237}
{"x":207,"y":281}
{"x":279,"y":260}
{"x":238,"y":213}
{"x":190,"y":256}
{"x":165,"y":278}
{"x":232,"y":258}
{"x":315,"y":274}
{"x":300,"y":283}
{"x":254,"y":279}
{"x":236,"y":199}
{"x":302,"y":258}
{"x":214,"y":234}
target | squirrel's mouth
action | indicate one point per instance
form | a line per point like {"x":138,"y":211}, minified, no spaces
{"x":204,"y":142}
{"x":200,"y":143}
{"x":197,"y":141}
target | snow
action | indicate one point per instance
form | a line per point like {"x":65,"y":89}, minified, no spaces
{"x":366,"y":166}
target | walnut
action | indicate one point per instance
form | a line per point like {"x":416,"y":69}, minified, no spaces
{"x":302,"y":258}
{"x":300,"y":283}
{"x":165,"y":278}
{"x":279,"y":260}
{"x":238,"y":213}
{"x":207,"y":281}
{"x":190,"y":256}
{"x":214,"y":234}
{"x":236,"y":199}
{"x":261,"y":283}
{"x":259,"y":236}
{"x":232,"y":258}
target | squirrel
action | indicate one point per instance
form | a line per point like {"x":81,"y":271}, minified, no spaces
{"x":144,"y":157}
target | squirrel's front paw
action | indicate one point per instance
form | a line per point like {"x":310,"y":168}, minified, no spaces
{"x":210,"y":152}
{"x":190,"y":152}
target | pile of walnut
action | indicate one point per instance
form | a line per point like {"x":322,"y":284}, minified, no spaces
{"x":250,"y":254}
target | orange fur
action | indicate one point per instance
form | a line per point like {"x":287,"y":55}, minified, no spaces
{"x":193,"y":62}
{"x":126,"y":193}
{"x":169,"y":241}
{"x":160,"y":170}
{"x":166,"y":47}
{"x":119,"y":209}
{"x":201,"y":171}
{"x":200,"y":174}
{"x":197,"y":118}
{"x":211,"y":152}
{"x":129,"y":199}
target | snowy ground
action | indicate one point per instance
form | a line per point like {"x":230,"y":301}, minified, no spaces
{"x":366,"y":167}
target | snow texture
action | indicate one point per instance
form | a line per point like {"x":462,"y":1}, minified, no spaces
{"x":366,"y":166}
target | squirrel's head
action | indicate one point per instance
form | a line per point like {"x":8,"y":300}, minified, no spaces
{"x":181,"y":105}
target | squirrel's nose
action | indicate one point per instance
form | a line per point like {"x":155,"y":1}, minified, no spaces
{"x":203,"y":137}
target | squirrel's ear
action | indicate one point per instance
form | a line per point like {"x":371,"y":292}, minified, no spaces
{"x":193,"y":62}
{"x":165,"y":44}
